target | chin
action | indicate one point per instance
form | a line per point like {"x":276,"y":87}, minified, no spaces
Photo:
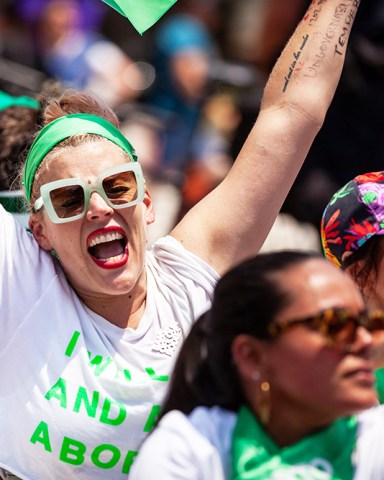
{"x":363,"y":402}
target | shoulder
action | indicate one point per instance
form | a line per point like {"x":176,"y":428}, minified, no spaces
{"x":176,"y":449}
{"x":167,"y":249}
{"x":179,"y":281}
{"x":214,"y":423}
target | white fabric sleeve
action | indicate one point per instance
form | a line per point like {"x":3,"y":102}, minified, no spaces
{"x":175,"y":450}
{"x":369,"y":458}
{"x":25,"y":272}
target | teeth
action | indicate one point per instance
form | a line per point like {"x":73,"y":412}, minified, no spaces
{"x":109,"y":237}
{"x":117,"y":258}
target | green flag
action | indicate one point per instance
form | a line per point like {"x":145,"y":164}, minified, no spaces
{"x":7,"y":100}
{"x":141,"y":13}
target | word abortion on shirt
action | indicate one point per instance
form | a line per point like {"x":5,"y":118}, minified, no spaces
{"x":94,"y":405}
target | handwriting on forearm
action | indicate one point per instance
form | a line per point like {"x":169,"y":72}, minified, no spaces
{"x":296,"y":56}
{"x":336,"y":35}
{"x":332,"y":42}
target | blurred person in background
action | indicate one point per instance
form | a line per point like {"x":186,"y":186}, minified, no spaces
{"x":183,"y":52}
{"x":15,"y":41}
{"x":19,"y":67}
{"x":82,"y":58}
{"x":19,"y":117}
{"x":195,"y":116}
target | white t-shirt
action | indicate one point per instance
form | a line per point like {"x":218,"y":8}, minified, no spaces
{"x":77,"y":394}
{"x":194,"y":447}
{"x":198,"y":446}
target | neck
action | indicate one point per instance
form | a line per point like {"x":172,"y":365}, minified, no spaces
{"x":288,"y":433}
{"x":290,"y":425}
{"x":124,"y":310}
{"x":118,"y":311}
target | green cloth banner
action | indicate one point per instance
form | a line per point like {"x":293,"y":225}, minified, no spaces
{"x":141,"y":13}
{"x":7,"y":101}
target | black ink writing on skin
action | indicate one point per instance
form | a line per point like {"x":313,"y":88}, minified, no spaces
{"x":342,"y":11}
{"x":296,"y":56}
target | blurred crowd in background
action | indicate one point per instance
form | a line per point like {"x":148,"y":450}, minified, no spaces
{"x":188,"y":90}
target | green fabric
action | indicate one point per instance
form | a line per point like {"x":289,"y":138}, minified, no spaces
{"x":256,"y":456}
{"x":65,"y":127}
{"x":141,"y":13}
{"x":380,"y":384}
{"x":7,"y":101}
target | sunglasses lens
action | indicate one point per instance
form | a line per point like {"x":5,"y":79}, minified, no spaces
{"x":67,"y":201}
{"x":376,"y":322}
{"x":341,"y":329}
{"x":121,"y":188}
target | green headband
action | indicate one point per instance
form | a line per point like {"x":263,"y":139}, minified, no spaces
{"x":65,"y":127}
{"x":7,"y":101}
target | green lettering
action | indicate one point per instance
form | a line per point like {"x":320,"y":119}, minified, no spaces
{"x":104,"y":417}
{"x":159,"y":378}
{"x":154,"y":414}
{"x":41,"y":435}
{"x":58,"y":391}
{"x":95,"y":457}
{"x":82,"y":398}
{"x":129,"y":461}
{"x":72,"y":451}
{"x":99,"y":363}
{"x":125,"y":373}
{"x":72,"y":343}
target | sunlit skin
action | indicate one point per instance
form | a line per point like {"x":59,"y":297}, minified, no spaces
{"x":118,"y":294}
{"x":311,"y":383}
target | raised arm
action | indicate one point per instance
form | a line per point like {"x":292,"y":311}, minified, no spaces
{"x":232,"y":222}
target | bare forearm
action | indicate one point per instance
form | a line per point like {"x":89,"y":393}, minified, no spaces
{"x":296,"y":99}
{"x":309,"y":69}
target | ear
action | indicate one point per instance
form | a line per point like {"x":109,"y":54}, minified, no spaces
{"x":38,"y":231}
{"x":150,"y":209}
{"x":248,"y":354}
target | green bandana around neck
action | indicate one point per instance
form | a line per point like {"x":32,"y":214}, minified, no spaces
{"x":7,"y":101}
{"x":65,"y":127}
{"x":325,"y":455}
{"x":141,"y":13}
{"x":380,"y":384}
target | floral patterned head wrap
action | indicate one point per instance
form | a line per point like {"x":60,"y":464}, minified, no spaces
{"x":354,"y":214}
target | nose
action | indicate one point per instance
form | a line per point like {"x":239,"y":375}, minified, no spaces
{"x":362,"y":341}
{"x":98,"y":208}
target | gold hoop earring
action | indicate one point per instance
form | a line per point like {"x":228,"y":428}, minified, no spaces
{"x":265,"y":403}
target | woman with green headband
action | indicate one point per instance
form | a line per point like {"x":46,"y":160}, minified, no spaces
{"x":276,"y":394}
{"x":91,"y":318}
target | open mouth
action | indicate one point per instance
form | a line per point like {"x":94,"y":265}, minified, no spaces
{"x":108,"y":249}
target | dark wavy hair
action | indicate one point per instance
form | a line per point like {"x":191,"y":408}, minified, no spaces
{"x":246,"y":300}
